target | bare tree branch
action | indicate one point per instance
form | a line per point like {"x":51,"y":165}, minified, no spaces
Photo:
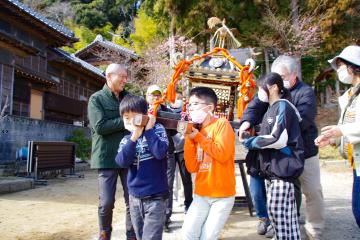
{"x":60,"y":11}
{"x":296,"y":39}
{"x":154,"y":65}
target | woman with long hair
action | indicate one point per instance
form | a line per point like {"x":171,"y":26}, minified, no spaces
{"x":281,"y":155}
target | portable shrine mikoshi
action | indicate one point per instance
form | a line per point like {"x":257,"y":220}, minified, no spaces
{"x":232,"y":82}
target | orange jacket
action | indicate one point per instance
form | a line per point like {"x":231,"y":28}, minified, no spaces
{"x":215,"y":174}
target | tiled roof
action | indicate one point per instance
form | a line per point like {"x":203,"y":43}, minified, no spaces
{"x":78,"y":61}
{"x":108,"y":44}
{"x":240,"y":54}
{"x":54,"y":25}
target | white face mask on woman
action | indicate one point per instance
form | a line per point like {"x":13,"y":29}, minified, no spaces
{"x":262,"y":95}
{"x":199,"y":115}
{"x":343,"y":75}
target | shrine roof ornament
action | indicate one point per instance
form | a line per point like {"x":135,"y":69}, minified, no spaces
{"x":223,"y":36}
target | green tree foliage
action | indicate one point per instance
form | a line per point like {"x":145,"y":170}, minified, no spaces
{"x":140,"y":23}
{"x":339,"y":24}
{"x":146,"y":31}
{"x":190,"y":18}
{"x":89,"y":15}
{"x":97,"y":13}
{"x":83,"y":144}
{"x":84,"y":34}
{"x":119,"y":37}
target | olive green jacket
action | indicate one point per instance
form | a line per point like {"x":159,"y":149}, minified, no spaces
{"x":107,"y":127}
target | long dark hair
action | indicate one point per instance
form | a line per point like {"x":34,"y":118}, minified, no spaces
{"x":271,"y":79}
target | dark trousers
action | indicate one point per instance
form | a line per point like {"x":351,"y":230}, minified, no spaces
{"x":185,"y":178}
{"x":258,"y":195}
{"x":298,"y":195}
{"x":107,"y":179}
{"x":356,"y":198}
{"x":148,"y":216}
{"x":172,"y":159}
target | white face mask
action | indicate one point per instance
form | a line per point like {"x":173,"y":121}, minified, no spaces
{"x":129,"y":127}
{"x":343,"y":75}
{"x":263,"y":96}
{"x":286,"y":84}
{"x":198,"y":116}
{"x":177,"y":104}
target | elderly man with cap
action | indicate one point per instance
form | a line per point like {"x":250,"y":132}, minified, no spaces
{"x":153,"y":94}
{"x":346,"y":133}
{"x":107,"y":130}
{"x":303,"y":97}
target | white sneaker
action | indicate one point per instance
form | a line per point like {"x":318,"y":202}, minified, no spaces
{"x":270,"y":233}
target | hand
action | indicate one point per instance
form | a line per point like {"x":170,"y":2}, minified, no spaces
{"x":332,"y":131}
{"x":137,"y":133}
{"x":322,"y":141}
{"x":247,"y":142}
{"x":150,"y":124}
{"x":244,"y":126}
{"x":193,"y":133}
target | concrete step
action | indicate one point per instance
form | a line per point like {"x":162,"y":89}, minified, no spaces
{"x":14,"y":184}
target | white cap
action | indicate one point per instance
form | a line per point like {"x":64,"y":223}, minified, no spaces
{"x":153,"y":88}
{"x":350,"y":54}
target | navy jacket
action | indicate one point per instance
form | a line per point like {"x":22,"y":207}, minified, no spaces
{"x":304,"y":99}
{"x":280,"y":145}
{"x":146,"y":160}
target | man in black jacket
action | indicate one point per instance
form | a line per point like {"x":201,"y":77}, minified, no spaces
{"x":304,"y":99}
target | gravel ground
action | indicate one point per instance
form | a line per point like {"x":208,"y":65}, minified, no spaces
{"x":67,"y":209}
{"x":337,"y":182}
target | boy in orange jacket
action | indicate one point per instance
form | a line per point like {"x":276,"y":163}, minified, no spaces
{"x":209,"y":152}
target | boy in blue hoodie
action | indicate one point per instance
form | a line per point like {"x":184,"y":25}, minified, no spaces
{"x":143,"y":152}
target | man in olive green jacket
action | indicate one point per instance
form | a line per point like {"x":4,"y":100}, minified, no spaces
{"x":107,"y":130}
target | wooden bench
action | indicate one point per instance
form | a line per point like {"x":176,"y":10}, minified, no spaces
{"x":46,"y":156}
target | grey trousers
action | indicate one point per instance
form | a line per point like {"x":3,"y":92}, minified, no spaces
{"x":148,"y":216}
{"x":172,"y":159}
{"x":170,"y":179}
{"x":312,"y":189}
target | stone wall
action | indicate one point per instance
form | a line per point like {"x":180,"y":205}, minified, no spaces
{"x":15,"y":132}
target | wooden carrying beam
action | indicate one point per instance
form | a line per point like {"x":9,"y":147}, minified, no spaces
{"x":173,"y":121}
